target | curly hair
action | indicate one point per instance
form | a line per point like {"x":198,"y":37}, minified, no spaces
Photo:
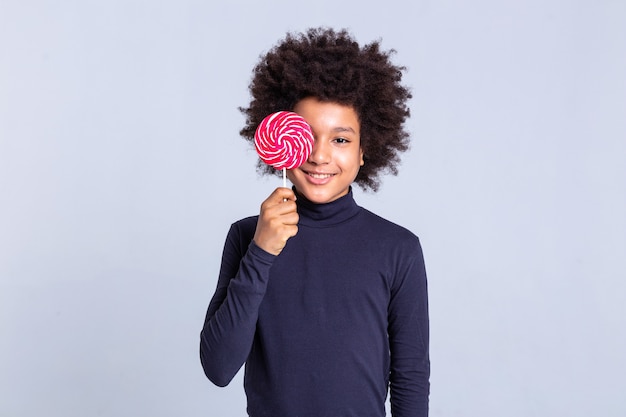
{"x":331,"y":66}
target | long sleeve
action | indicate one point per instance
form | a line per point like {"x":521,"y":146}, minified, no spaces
{"x":230,"y":323}
{"x":330,"y":325}
{"x":409,"y":339}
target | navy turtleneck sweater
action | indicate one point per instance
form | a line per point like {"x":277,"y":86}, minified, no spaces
{"x":328,"y":325}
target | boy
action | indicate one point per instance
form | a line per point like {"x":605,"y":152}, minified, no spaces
{"x":325,"y":302}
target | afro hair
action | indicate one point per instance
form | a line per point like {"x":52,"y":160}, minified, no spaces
{"x":331,"y":66}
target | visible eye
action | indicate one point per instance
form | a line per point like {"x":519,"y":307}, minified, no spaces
{"x":341,"y":140}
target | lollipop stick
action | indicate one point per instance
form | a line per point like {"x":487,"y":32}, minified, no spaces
{"x":284,"y":177}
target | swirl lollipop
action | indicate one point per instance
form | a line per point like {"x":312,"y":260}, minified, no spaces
{"x":283,"y":140}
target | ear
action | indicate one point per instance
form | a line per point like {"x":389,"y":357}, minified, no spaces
{"x":362,"y":162}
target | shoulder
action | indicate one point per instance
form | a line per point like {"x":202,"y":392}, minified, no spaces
{"x":395,"y":248}
{"x":246,"y":223}
{"x":241,"y":232}
{"x":386,"y":229}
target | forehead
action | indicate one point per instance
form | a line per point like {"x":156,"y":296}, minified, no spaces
{"x":328,"y":115}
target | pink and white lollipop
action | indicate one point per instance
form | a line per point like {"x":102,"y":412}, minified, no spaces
{"x":283,"y":140}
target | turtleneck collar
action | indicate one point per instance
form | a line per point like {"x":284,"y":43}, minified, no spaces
{"x":327,"y":214}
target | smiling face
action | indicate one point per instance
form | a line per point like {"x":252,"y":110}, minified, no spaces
{"x":337,"y":155}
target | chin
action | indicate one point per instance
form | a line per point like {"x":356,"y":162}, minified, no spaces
{"x":319,"y":196}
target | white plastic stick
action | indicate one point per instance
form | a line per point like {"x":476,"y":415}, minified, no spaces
{"x":284,"y":178}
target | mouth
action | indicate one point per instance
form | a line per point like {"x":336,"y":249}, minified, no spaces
{"x":318,"y":178}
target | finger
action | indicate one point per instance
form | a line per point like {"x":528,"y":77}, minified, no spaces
{"x":276,"y":223}
{"x":269,"y":210}
{"x":281,"y":194}
{"x":284,"y":201}
{"x":290,"y":218}
{"x":291,"y":231}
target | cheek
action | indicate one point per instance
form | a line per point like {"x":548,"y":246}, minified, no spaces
{"x":353,"y":161}
{"x":290,"y":174}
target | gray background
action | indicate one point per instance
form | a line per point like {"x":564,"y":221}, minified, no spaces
{"x":121,"y":170}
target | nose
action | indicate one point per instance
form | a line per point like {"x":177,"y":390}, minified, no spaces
{"x":320,"y":154}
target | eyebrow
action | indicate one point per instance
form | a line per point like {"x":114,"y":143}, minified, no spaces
{"x":343,"y":129}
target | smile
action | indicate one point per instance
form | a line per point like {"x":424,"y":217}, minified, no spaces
{"x":319,"y":176}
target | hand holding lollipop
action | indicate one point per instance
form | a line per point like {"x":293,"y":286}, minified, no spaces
{"x":284,"y":140}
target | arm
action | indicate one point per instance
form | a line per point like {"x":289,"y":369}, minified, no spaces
{"x":230,"y":323}
{"x":231,"y":318}
{"x":409,"y":339}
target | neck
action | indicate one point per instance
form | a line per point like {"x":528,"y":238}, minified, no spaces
{"x":327,"y":214}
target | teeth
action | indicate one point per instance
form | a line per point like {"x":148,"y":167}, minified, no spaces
{"x":320,"y":176}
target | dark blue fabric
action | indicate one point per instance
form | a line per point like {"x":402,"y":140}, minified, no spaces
{"x":328,"y":325}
